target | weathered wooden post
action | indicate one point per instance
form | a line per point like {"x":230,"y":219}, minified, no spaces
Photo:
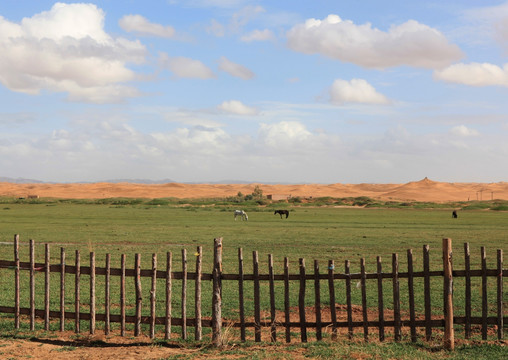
{"x":16,"y":281}
{"x":216,"y":296}
{"x":449,"y":338}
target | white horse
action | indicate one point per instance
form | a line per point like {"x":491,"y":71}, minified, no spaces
{"x":242,"y":214}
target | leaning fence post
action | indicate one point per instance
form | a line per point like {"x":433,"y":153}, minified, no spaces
{"x":216,"y":297}
{"x":449,"y":338}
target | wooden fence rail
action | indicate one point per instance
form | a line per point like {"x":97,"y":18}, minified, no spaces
{"x":427,"y":321}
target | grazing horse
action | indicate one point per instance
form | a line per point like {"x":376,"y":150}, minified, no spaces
{"x":282,"y":212}
{"x":242,"y":214}
{"x":454,"y":214}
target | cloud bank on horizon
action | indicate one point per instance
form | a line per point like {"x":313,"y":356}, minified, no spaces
{"x":254,"y":90}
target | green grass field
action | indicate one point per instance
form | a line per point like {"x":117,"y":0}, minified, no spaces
{"x":320,"y":233}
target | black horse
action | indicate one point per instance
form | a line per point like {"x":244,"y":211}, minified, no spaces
{"x":282,"y":212}
{"x":454,"y":214}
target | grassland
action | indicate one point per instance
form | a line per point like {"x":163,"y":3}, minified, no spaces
{"x":321,"y":230}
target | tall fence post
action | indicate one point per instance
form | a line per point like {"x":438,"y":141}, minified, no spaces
{"x":16,"y":281}
{"x":216,"y":296}
{"x":449,"y":338}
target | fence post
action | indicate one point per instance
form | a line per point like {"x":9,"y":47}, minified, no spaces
{"x":449,"y":338}
{"x":16,"y":281}
{"x":216,"y":296}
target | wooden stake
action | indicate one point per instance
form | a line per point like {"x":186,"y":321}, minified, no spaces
{"x":396,"y":297}
{"x":62,"y":289}
{"x":198,"y":329}
{"x":32,"y":286}
{"x":467,"y":262}
{"x":139,"y":294}
{"x":331,"y":290}
{"x":426,"y":291}
{"x":216,"y":297}
{"x":286,"y":300}
{"x":500,"y":322}
{"x":273,"y":332}
{"x":240,"y":295}
{"x":77,"y":293}
{"x":380,"y":300}
{"x":184,"y":294}
{"x":122,"y":295}
{"x":257,"y":307}
{"x":153,"y":297}
{"x":301,"y":302}
{"x":107,"y":297}
{"x":364,"y":300}
{"x":16,"y":281}
{"x":167,"y":328}
{"x":410,"y":285}
{"x":449,"y":337}
{"x":47,"y":290}
{"x":92,"y":293}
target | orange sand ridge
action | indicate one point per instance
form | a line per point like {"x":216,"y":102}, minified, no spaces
{"x":424,"y":190}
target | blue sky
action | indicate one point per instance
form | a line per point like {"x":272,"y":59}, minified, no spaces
{"x":272,"y":91}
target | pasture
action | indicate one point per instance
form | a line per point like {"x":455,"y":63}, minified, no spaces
{"x":310,"y":232}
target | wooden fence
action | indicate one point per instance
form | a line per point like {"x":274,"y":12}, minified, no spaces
{"x":427,"y":321}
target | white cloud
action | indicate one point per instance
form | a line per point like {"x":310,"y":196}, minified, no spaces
{"x":67,"y":50}
{"x":258,"y":35}
{"x":463,"y":131}
{"x":216,"y":28}
{"x":355,"y":91}
{"x":184,"y":67}
{"x":235,"y":69}
{"x":284,"y":134}
{"x":142,"y":26}
{"x":410,"y":43}
{"x":237,"y":107}
{"x":474,"y":74}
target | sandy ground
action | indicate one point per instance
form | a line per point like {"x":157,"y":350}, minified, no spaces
{"x":423,"y":190}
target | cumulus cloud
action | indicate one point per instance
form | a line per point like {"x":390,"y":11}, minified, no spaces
{"x":258,"y":35}
{"x":284,"y":134}
{"x":355,"y":91}
{"x":67,"y":50}
{"x":235,"y":69}
{"x":184,"y":67}
{"x":474,"y":74}
{"x":237,"y":107}
{"x":411,"y":43}
{"x":142,"y":26}
{"x":463,"y":131}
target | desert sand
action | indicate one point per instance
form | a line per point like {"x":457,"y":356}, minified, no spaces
{"x":423,"y":190}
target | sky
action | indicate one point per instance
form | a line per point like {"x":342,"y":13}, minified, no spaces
{"x":289,"y":91}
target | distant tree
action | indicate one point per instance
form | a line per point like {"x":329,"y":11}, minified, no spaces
{"x":257,"y":193}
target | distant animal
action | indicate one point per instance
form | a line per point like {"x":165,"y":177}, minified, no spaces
{"x":454,"y":214}
{"x":242,"y":214}
{"x":282,"y":212}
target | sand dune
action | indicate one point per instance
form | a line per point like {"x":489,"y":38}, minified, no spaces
{"x":423,"y":190}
